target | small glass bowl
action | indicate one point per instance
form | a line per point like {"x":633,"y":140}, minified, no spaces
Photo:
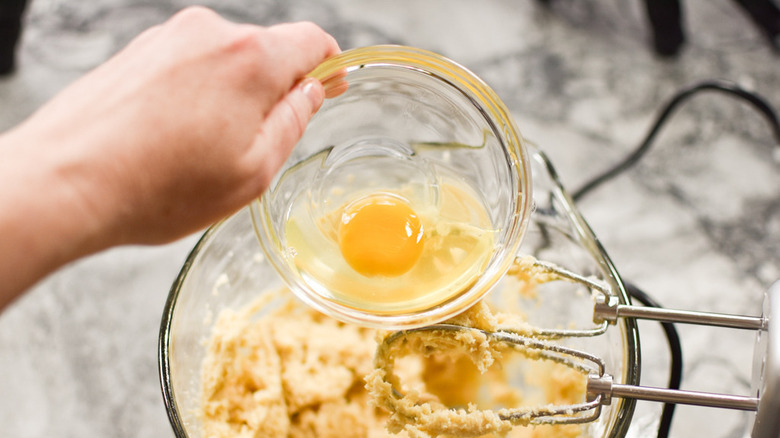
{"x":399,"y":117}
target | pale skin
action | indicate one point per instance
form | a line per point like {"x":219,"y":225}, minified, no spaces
{"x":181,"y":128}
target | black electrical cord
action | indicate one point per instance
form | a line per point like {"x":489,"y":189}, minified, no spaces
{"x":681,"y":96}
{"x":675,"y":350}
{"x":731,"y":89}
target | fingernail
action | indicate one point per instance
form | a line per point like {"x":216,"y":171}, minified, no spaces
{"x":313,"y":90}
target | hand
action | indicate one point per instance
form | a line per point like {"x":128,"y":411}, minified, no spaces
{"x":184,"y":126}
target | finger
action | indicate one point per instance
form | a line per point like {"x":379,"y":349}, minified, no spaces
{"x":283,"y":127}
{"x":309,"y":42}
{"x":335,"y":84}
{"x":147,"y":34}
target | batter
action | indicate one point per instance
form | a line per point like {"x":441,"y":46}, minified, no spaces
{"x":296,"y":373}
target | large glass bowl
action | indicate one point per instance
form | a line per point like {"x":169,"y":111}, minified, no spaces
{"x":398,"y":118}
{"x":227,"y":270}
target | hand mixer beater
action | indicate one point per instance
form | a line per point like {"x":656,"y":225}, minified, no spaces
{"x":538,"y":344}
{"x":421,"y":414}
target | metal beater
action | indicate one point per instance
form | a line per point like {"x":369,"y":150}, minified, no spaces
{"x":601,"y":389}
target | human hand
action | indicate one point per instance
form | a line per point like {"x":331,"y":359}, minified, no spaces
{"x":184,"y":126}
{"x":189,"y":122}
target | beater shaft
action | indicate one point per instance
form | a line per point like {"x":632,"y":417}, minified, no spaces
{"x":608,"y":309}
{"x":603,"y":386}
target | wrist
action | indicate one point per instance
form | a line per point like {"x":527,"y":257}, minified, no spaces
{"x":43,"y":217}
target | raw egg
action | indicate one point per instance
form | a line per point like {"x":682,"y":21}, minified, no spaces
{"x":391,"y":250}
{"x":380,"y":235}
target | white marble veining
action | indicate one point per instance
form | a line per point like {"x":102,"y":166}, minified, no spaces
{"x":696,"y":224}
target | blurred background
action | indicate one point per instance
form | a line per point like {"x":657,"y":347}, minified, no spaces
{"x":696,"y":223}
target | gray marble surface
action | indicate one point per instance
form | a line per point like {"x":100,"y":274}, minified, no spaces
{"x":696,"y":224}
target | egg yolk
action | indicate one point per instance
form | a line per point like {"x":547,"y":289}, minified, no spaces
{"x":380,"y":236}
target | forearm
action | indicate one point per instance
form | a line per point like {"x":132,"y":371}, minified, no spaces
{"x":182,"y":127}
{"x":44,"y":222}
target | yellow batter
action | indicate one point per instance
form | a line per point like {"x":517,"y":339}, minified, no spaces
{"x":296,"y":373}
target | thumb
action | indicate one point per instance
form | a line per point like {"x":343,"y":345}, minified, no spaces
{"x":284,"y":126}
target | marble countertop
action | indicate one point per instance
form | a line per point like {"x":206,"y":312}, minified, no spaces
{"x":696,"y":223}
